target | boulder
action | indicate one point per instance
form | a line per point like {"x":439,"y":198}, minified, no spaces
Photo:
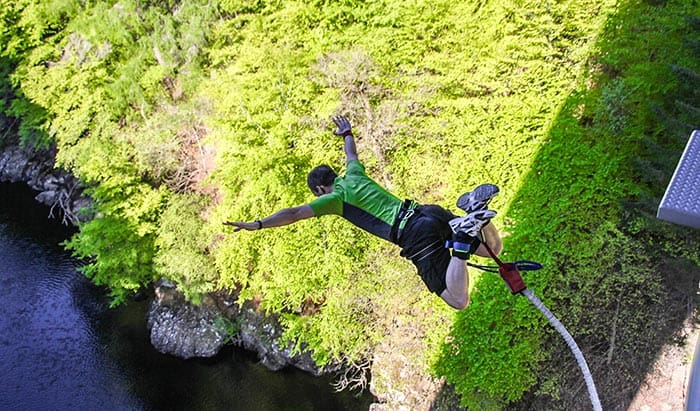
{"x":183,"y":329}
{"x":261,"y":334}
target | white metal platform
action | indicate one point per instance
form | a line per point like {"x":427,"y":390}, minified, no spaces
{"x":681,"y":202}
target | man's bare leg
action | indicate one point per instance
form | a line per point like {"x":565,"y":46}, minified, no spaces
{"x":457,"y":278}
{"x":492,"y":237}
{"x":474,"y":203}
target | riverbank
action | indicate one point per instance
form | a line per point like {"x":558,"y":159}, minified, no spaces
{"x":56,"y":188}
{"x":177,"y":327}
{"x":64,"y":348}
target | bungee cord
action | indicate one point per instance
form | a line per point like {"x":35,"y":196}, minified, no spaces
{"x":510,"y":273}
{"x":587,"y":376}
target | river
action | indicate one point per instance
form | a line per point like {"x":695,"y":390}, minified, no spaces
{"x":63,"y":348}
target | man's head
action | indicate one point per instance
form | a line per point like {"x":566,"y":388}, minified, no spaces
{"x":320,"y":178}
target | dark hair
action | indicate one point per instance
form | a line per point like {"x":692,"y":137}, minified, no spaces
{"x":322,"y":175}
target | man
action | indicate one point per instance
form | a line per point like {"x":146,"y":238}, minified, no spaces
{"x":422,"y":231}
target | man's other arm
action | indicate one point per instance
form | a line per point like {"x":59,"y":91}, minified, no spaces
{"x":283,"y":217}
{"x":345,"y":130}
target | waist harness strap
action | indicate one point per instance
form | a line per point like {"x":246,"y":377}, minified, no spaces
{"x":407,"y":210}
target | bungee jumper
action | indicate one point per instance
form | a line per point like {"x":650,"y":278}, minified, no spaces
{"x":425,"y":233}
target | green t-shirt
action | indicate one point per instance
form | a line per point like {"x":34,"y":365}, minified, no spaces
{"x":360,"y":200}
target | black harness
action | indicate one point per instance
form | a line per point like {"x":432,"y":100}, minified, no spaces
{"x":408,"y":209}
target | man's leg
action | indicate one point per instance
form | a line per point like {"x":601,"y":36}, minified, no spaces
{"x":468,"y":233}
{"x":457,"y":278}
{"x":465,"y":229}
{"x":491,"y":236}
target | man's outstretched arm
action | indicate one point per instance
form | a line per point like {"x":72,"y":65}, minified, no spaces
{"x":283,"y":217}
{"x":345,"y":130}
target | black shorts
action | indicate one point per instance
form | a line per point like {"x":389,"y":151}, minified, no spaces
{"x":423,"y":242}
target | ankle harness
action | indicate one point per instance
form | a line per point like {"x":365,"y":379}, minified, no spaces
{"x":462,"y":245}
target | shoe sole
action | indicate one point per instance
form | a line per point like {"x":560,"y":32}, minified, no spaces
{"x":484,"y":217}
{"x":481,"y":194}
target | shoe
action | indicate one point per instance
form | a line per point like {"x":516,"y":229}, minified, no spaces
{"x":472,"y":223}
{"x":477,"y":199}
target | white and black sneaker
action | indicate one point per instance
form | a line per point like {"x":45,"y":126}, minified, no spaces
{"x":472,"y":223}
{"x":477,"y":199}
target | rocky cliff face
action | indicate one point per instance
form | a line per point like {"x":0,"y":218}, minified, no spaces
{"x":58,"y":189}
{"x":185,"y":330}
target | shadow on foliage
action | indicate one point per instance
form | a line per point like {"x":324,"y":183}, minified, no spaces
{"x":634,"y":294}
{"x":622,"y":282}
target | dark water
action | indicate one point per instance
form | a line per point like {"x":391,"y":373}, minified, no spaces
{"x":62,"y":348}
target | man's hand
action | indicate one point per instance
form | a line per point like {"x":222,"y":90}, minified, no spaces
{"x":243,"y":226}
{"x":344,"y":128}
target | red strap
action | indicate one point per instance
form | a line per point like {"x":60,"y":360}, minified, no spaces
{"x":509,"y":272}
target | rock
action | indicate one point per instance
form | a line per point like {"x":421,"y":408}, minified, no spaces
{"x":261,"y":334}
{"x":167,"y":295}
{"x":12,"y":164}
{"x":57,"y":188}
{"x":183,"y":329}
{"x":46,"y":197}
{"x":51,"y":183}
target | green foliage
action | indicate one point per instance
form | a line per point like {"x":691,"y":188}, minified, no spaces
{"x":119,"y":243}
{"x":167,"y":149}
{"x":565,"y":215}
{"x":183,"y":247}
{"x":86,"y":77}
{"x":558,"y":103}
{"x":228,"y":326}
{"x":348,"y":307}
{"x":26,"y":25}
{"x":117,"y":257}
{"x":613,"y":113}
{"x":487,"y":350}
{"x":31,"y":129}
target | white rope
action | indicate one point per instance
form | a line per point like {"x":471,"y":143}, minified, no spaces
{"x":592,"y":393}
